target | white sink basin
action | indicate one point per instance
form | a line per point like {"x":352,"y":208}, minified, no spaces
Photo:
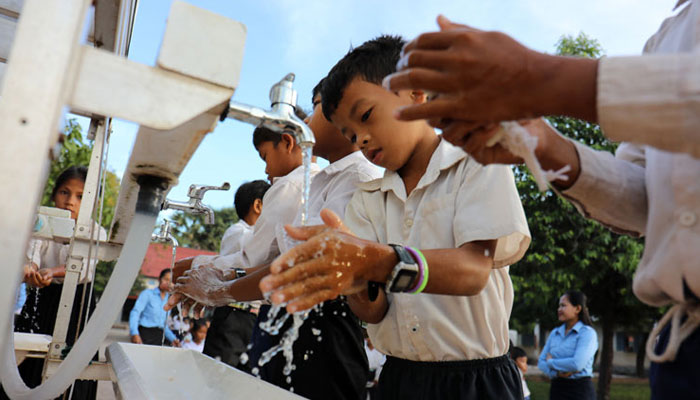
{"x":154,"y":372}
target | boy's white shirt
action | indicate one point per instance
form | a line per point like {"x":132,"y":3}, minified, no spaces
{"x":47,"y":253}
{"x":333,"y":188}
{"x":280,"y":205}
{"x":456,"y":201}
{"x":234,"y":236}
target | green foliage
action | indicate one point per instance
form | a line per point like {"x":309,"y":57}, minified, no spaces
{"x":191,"y":231}
{"x":569,"y":251}
{"x":579,"y":46}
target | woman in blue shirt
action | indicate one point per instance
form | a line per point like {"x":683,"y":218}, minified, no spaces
{"x":147,"y":318}
{"x":567,"y":357}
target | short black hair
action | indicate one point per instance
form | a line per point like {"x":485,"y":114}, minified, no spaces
{"x":317,"y":89}
{"x":517,"y":352}
{"x":262,"y":134}
{"x":198,"y":324}
{"x":74,"y":172}
{"x":163,"y":273}
{"x":371,"y":61}
{"x":246,"y":195}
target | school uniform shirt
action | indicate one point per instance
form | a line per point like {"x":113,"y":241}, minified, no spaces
{"x":148,"y":312}
{"x":234,"y":236}
{"x":280,"y":206}
{"x":653,"y":191}
{"x":456,"y":201}
{"x":332,"y":188}
{"x":190,"y":344}
{"x":571,"y":352}
{"x":47,"y":253}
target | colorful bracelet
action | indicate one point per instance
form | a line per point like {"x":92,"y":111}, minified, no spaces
{"x":422,"y":270}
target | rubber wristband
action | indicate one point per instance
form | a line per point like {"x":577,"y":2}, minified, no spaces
{"x":422,"y":280}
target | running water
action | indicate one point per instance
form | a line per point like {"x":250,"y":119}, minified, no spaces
{"x":275,"y":316}
{"x":307,"y":153}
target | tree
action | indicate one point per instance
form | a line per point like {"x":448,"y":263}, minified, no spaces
{"x":571,"y":252}
{"x":191,"y":231}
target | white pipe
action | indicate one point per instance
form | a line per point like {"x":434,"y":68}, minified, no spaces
{"x":125,"y":272}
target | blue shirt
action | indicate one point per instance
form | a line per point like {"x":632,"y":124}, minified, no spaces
{"x":572,"y":352}
{"x":148,"y":312}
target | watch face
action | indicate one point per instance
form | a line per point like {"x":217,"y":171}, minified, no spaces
{"x":403,"y":281}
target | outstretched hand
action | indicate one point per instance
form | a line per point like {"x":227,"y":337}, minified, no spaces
{"x":480,"y":77}
{"x":331,"y":261}
{"x":201,"y":287}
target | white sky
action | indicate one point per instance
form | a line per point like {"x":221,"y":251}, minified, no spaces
{"x":309,"y":37}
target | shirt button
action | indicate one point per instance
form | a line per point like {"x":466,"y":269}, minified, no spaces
{"x":408,"y":222}
{"x":687,"y":218}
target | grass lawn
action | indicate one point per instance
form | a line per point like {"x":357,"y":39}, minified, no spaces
{"x":632,"y":389}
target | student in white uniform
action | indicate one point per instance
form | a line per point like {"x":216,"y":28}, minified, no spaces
{"x":436,"y":222}
{"x":232,"y":325}
{"x":45,"y":271}
{"x":342,"y":343}
{"x":650,"y":187}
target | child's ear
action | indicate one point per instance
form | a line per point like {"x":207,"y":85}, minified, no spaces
{"x":257,"y":206}
{"x":418,"y":96}
{"x":289,"y":142}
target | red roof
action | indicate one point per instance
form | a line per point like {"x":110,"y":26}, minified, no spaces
{"x":159,"y":257}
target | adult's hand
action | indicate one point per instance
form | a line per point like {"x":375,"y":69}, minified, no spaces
{"x":136,"y":339}
{"x":331,"y":261}
{"x":484,"y":77}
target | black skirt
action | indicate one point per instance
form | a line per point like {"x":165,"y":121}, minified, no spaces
{"x":39,"y":316}
{"x":329,"y":355}
{"x":229,"y":334}
{"x":572,"y":389}
{"x":491,"y":378}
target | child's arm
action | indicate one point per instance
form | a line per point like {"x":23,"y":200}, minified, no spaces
{"x":333,"y":260}
{"x":371,"y":312}
{"x":212,"y":287}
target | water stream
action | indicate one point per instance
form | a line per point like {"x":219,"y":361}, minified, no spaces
{"x":276,"y":317}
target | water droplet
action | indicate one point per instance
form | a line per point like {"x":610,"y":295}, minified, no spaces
{"x":343,"y":314}
{"x":289,"y":379}
{"x":320,"y":338}
{"x":244,"y":358}
{"x":256,"y":372}
{"x":315,"y":331}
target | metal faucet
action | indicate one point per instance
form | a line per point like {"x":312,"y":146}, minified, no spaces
{"x":280,"y":117}
{"x":194,"y":204}
{"x":165,"y":235}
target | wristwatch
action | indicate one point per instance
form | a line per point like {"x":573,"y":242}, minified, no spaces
{"x":404,"y":275}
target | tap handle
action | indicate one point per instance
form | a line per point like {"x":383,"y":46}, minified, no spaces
{"x":197,"y":191}
{"x":283,"y":91}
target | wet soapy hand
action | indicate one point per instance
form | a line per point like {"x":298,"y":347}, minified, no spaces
{"x":331,"y":261}
{"x":205,"y":285}
{"x":467,"y":67}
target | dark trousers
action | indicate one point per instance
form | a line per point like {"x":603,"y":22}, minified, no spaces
{"x":678,"y":379}
{"x":39,"y":316}
{"x":572,"y":389}
{"x":491,"y":378}
{"x":153,"y":336}
{"x":229,"y":334}
{"x":331,"y":364}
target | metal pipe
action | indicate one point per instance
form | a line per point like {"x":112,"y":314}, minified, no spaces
{"x":280,"y":117}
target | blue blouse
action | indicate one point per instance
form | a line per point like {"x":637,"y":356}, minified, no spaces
{"x":572,"y":352}
{"x":148,"y":312}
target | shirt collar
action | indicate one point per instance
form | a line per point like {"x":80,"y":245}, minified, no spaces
{"x":344,"y":163}
{"x":576,"y":328}
{"x":296,"y":171}
{"x":445,"y":156}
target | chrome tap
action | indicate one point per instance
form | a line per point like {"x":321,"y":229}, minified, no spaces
{"x":280,"y":117}
{"x":194,"y":204}
{"x":165,"y":235}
